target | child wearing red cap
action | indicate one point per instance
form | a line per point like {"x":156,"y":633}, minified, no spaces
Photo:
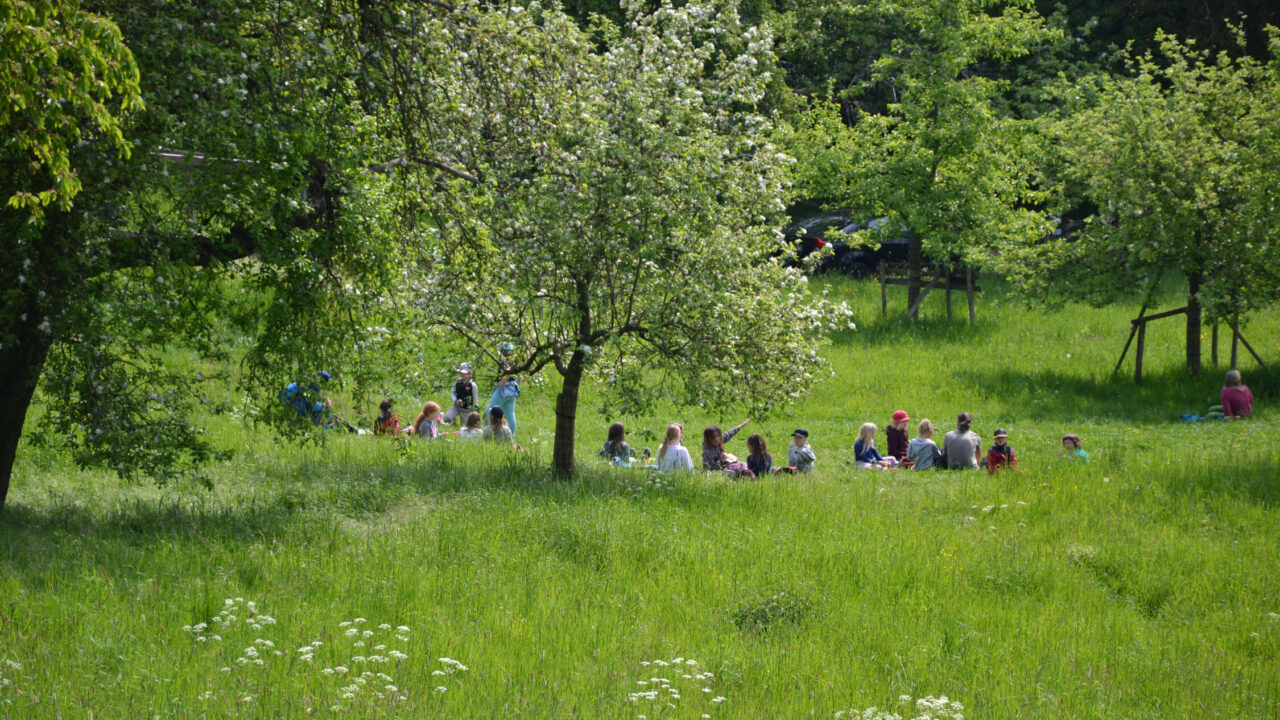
{"x":896,"y":434}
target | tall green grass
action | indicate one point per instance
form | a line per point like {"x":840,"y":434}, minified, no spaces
{"x":1142,"y":585}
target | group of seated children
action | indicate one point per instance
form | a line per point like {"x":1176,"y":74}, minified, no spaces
{"x":465,"y":395}
{"x":961,"y":448}
{"x":674,"y":456}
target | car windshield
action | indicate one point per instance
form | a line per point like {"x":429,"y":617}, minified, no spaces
{"x":818,"y":224}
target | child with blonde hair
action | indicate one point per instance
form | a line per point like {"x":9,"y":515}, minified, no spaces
{"x":672,"y":455}
{"x":864,"y":450}
{"x":923,"y":453}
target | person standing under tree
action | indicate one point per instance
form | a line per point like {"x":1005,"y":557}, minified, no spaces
{"x":507,"y":389}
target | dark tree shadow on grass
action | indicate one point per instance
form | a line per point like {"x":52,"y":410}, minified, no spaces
{"x":935,"y":330}
{"x":1256,"y":480}
{"x":1162,"y":397}
{"x":46,"y":539}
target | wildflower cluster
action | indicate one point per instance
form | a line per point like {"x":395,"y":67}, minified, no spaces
{"x":7,"y":667}
{"x":925,"y":708}
{"x":234,"y":611}
{"x":350,"y":670}
{"x":672,"y":685}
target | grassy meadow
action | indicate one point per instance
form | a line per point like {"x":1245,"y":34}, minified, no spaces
{"x":367,"y":579}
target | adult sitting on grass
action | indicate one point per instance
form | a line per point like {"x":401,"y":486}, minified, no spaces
{"x":1237,"y":399}
{"x":962,"y":447}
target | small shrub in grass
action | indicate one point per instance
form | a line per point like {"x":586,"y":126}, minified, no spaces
{"x":759,"y":614}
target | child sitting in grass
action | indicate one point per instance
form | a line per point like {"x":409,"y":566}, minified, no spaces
{"x":497,"y":429}
{"x":923,"y":452}
{"x":616,"y":449}
{"x":1073,"y":449}
{"x":896,"y":435}
{"x":472,"y":430}
{"x":864,"y":450}
{"x":672,"y":456}
{"x":714,"y":457}
{"x":800,"y":453}
{"x":427,"y":424}
{"x":388,"y":423}
{"x":759,"y":461}
{"x":1001,"y":455}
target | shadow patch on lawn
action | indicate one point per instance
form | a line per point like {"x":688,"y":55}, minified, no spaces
{"x":1051,"y":394}
{"x":1257,"y":480}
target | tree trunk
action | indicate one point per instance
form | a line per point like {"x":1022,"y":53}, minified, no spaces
{"x":567,"y":416}
{"x":20,"y":366}
{"x":915,"y":259}
{"x":1193,"y":323}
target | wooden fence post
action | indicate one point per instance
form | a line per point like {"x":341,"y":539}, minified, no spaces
{"x":884,"y":296}
{"x":1137,"y":358}
{"x":1235,"y":343}
{"x":950,"y":273}
{"x":968,"y":288}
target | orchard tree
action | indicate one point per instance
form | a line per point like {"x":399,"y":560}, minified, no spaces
{"x":250,"y":206}
{"x":1180,"y":157}
{"x":939,"y":159}
{"x":624,"y":211}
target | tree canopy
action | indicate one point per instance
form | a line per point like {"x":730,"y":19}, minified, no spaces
{"x":940,"y":159}
{"x":1179,"y":158}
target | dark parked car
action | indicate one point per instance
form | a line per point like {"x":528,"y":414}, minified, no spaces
{"x":829,"y":228}
{"x":809,"y":235}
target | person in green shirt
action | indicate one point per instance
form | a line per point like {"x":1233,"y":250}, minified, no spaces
{"x":1073,"y":449}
